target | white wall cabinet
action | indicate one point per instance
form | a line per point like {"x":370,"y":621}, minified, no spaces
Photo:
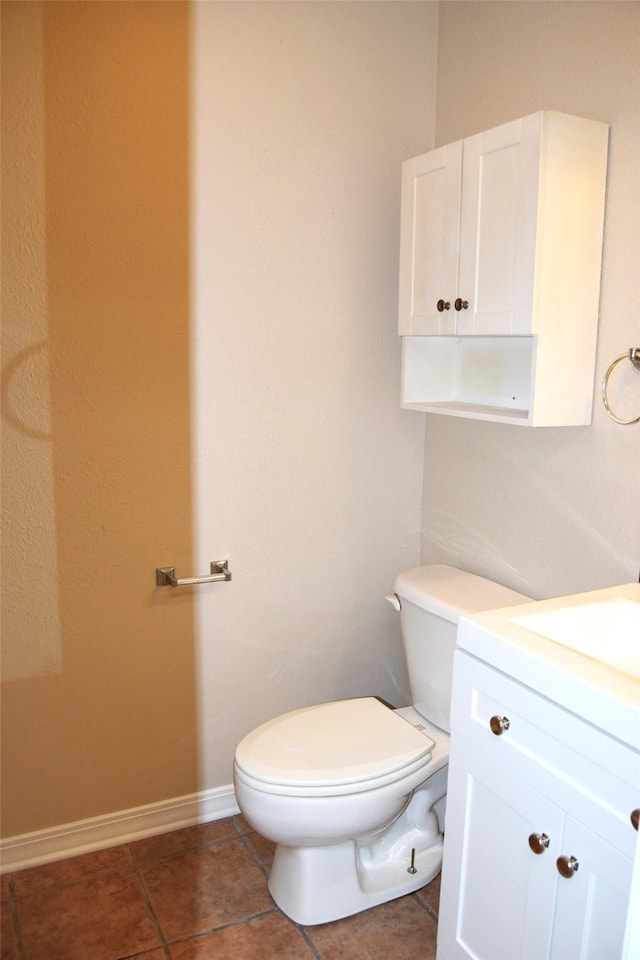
{"x":521,"y":804}
{"x":500,"y":261}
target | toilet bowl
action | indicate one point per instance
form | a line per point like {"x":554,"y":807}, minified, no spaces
{"x":353,"y":792}
{"x":366,"y":767}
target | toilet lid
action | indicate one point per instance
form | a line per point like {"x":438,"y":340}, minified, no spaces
{"x":346,"y":741}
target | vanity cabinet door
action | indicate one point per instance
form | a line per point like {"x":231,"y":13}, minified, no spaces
{"x":592,"y":901}
{"x":497,"y":893}
{"x":429,"y":242}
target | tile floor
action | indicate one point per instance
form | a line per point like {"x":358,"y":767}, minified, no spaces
{"x":195,"y":894}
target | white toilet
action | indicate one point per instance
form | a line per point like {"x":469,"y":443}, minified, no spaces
{"x":352,"y":791}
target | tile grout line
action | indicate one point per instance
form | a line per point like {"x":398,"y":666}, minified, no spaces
{"x":249,"y":847}
{"x":425,"y":906}
{"x":147,"y":898}
{"x":145,"y":953}
{"x":223,"y":926}
{"x":309,"y":942}
{"x":15,"y":919}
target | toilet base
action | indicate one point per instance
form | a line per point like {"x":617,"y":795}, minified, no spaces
{"x":318,"y":884}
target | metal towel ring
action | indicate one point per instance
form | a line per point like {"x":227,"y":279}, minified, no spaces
{"x":633,"y":355}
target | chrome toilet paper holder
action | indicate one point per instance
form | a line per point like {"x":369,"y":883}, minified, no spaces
{"x":166,"y":576}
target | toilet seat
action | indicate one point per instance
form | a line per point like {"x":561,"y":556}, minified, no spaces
{"x":346,"y":746}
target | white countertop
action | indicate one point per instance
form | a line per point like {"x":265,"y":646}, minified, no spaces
{"x":599,"y":693}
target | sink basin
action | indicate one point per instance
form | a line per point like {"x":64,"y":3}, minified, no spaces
{"x":607,"y":631}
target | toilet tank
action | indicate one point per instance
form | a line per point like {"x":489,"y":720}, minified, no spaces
{"x":432,"y":600}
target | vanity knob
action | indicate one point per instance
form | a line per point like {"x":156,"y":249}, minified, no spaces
{"x":539,"y":842}
{"x":635,"y":819}
{"x":461,"y":304}
{"x":499,"y":725}
{"x":567,"y":866}
{"x":443,"y":305}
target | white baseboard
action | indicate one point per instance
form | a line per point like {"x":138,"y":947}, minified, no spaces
{"x":96,"y":833}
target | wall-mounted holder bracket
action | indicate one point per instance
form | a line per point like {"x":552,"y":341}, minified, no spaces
{"x":166,"y":576}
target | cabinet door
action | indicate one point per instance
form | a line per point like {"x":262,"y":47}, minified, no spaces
{"x":497,"y":894}
{"x":429,"y":241}
{"x":501,"y":169}
{"x":592,"y":904}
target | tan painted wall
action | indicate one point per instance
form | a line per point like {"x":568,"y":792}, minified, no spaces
{"x":552,"y":511}
{"x":98,"y":685}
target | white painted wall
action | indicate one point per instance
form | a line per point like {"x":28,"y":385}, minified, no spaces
{"x":549,"y":511}
{"x":308,"y":475}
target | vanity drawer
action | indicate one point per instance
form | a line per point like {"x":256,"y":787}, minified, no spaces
{"x":561,"y":756}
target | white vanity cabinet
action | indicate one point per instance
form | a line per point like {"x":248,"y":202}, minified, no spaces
{"x":539,"y":842}
{"x":500,"y":258}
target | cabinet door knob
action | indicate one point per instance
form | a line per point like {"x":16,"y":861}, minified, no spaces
{"x":499,"y":725}
{"x":539,"y":842}
{"x":460,"y":304}
{"x":443,"y":305}
{"x":635,"y":819}
{"x":567,"y":866}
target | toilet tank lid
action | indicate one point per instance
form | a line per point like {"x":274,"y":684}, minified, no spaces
{"x":451,"y":593}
